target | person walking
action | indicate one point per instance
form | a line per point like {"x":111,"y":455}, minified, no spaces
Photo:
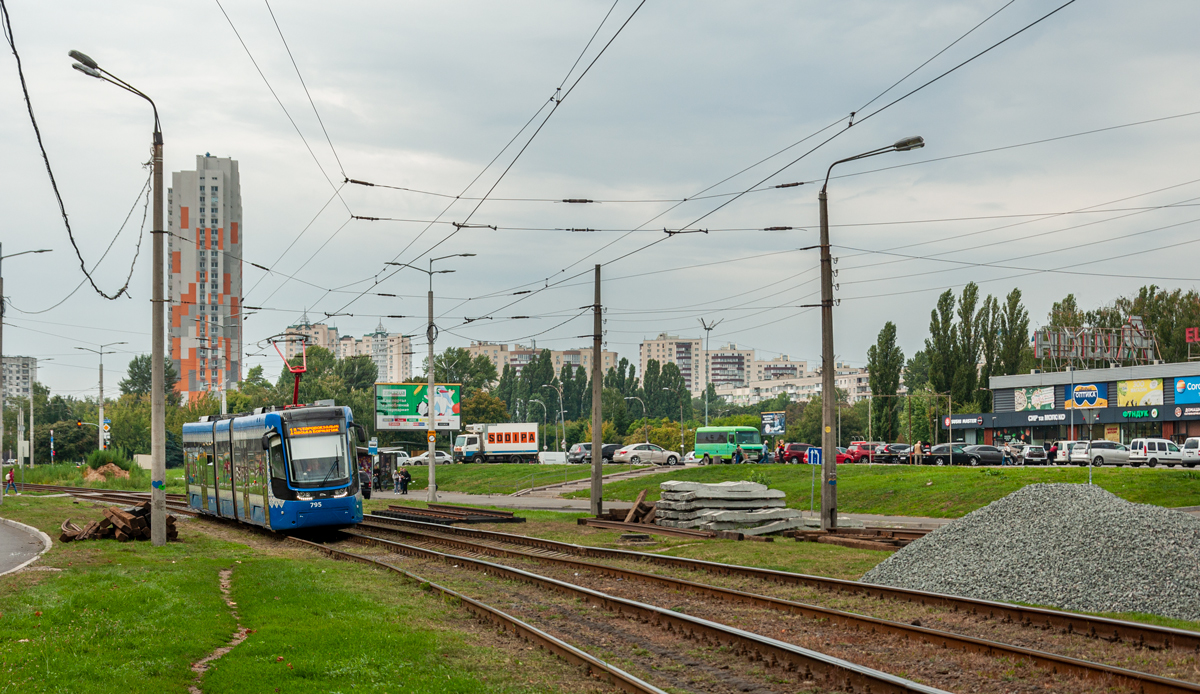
{"x":918,"y":451}
{"x":396,"y":481}
{"x":405,"y":478}
{"x":739,"y":455}
{"x":11,"y":482}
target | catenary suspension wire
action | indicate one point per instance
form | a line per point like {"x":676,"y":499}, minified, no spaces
{"x":8,"y":35}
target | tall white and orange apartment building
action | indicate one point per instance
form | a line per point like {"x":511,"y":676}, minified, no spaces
{"x":205,"y":284}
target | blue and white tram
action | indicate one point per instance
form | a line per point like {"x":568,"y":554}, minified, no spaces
{"x":282,"y":469}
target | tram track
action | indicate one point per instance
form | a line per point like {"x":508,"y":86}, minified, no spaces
{"x":1052,"y":662}
{"x":1104,"y":628}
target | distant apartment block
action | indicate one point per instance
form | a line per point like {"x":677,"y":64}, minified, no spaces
{"x":517,"y":356}
{"x":727,"y":366}
{"x":854,"y":381}
{"x":204,"y":218}
{"x":20,"y":373}
{"x":391,"y":352}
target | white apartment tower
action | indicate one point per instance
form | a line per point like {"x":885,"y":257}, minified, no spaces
{"x":204,"y":209}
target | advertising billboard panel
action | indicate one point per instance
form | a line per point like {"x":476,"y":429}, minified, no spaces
{"x":1034,"y":398}
{"x":1187,"y":391}
{"x":1145,"y":392}
{"x":1083,"y":396}
{"x":774,"y":423}
{"x":404,"y":406}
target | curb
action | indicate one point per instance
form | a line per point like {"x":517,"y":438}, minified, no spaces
{"x":47,"y":543}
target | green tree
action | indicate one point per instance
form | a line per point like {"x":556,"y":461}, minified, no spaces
{"x":359,"y":372}
{"x":916,"y":371}
{"x":138,"y":376}
{"x":456,"y":365}
{"x":885,"y":361}
{"x":941,"y":347}
{"x":990,"y":339}
{"x":615,"y":410}
{"x":481,"y":407}
{"x":1014,"y":333}
{"x":966,"y":372}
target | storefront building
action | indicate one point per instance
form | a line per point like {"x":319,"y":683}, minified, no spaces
{"x":1118,"y":404}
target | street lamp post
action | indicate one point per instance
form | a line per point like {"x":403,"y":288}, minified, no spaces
{"x":2,"y":257}
{"x":430,"y":335}
{"x":708,"y":328}
{"x":828,"y":393}
{"x":158,"y":412}
{"x":100,"y":432}
{"x":645,"y":422}
{"x":559,"y":390}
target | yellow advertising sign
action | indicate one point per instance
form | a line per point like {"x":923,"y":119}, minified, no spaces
{"x":1112,"y":432}
{"x":1142,"y":393}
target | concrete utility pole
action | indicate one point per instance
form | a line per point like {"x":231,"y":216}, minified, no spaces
{"x":100,"y":424}
{"x":158,"y":411}
{"x":597,"y":491}
{"x":828,"y":368}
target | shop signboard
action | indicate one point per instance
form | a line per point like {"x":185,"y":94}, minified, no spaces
{"x":405,"y":406}
{"x":1187,"y":391}
{"x":774,"y":423}
{"x":1083,"y":396}
{"x":1034,"y":398}
{"x":1146,"y":392}
{"x":1151,"y":413}
{"x":1112,"y":432}
{"x":1182,"y":412}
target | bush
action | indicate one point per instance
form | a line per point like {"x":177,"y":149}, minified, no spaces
{"x":98,"y":459}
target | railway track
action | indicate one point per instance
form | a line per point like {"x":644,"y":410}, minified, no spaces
{"x":1056,"y":663}
{"x":785,"y":660}
{"x":1146,"y":635}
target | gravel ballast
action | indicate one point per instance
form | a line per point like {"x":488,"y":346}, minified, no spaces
{"x":1072,"y":546}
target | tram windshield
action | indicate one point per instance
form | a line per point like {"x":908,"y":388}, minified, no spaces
{"x":319,"y":460}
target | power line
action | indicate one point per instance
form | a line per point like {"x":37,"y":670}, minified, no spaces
{"x":8,"y":34}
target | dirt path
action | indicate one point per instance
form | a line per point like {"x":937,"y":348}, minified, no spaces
{"x":239,"y":635}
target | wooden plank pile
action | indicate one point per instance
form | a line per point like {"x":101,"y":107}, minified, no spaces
{"x":120,"y":524}
{"x":641,"y":513}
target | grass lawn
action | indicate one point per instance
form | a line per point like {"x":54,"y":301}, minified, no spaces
{"x":502,"y":478}
{"x":939,"y":492}
{"x":68,"y":475}
{"x":132,"y":618}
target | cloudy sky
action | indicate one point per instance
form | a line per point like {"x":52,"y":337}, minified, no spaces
{"x":689,"y":94}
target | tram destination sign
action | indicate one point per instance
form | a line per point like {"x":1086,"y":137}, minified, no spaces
{"x":405,"y":406}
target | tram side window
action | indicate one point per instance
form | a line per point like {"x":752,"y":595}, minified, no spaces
{"x":278,"y":468}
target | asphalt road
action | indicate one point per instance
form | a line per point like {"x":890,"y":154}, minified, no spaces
{"x":17,"y":546}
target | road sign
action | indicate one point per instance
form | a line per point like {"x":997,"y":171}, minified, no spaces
{"x":432,"y":436}
{"x":373,"y":447}
{"x":814,"y":456}
{"x":108,"y":421}
{"x":106,"y":427}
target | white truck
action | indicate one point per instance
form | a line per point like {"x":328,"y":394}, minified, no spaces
{"x":497,"y":443}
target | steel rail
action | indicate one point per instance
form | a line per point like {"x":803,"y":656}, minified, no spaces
{"x":1149,"y":635}
{"x":836,"y":672}
{"x":528,"y":632}
{"x":1142,"y":682}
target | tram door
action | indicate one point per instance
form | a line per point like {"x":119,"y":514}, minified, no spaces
{"x":223,"y":458}
{"x":207,"y":474}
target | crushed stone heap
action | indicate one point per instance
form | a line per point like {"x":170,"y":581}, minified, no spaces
{"x":1071,"y":546}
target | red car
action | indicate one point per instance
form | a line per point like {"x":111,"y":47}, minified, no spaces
{"x":842,"y":455}
{"x":859,"y":450}
{"x":794,"y":453}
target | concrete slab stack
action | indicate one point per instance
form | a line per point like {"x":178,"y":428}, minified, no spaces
{"x":748,"y":507}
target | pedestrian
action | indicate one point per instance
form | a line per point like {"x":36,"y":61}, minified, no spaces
{"x":779,"y":452}
{"x":11,"y":481}
{"x":1008,"y":453}
{"x":1052,"y":454}
{"x":918,"y":451}
{"x":738,"y":455}
{"x":396,"y":480}
{"x":405,"y":478}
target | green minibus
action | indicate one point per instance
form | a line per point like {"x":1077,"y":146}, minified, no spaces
{"x":717,"y":444}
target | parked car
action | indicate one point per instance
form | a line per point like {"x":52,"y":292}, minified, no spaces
{"x":636,"y":453}
{"x":1031,"y":455}
{"x":1191,"y":452}
{"x":1154,"y":451}
{"x":862,"y":449}
{"x":1099,"y":453}
{"x":1064,"y":452}
{"x":582,"y":453}
{"x":794,"y":453}
{"x":892,"y":453}
{"x":980,"y":454}
{"x":439,"y":458}
{"x":690,"y":458}
{"x":942,"y":454}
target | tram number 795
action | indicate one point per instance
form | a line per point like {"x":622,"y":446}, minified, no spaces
{"x":314,"y":504}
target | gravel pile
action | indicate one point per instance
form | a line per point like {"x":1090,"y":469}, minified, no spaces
{"x":1072,"y":546}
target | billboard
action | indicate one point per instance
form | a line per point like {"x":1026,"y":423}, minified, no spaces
{"x":1187,"y":391}
{"x":774,"y":423}
{"x":1034,"y":398}
{"x":405,"y":406}
{"x":1141,"y":393}
{"x":1082,"y":396}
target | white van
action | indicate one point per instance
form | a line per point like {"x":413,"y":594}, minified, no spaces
{"x":1191,"y":451}
{"x":1154,"y":451}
